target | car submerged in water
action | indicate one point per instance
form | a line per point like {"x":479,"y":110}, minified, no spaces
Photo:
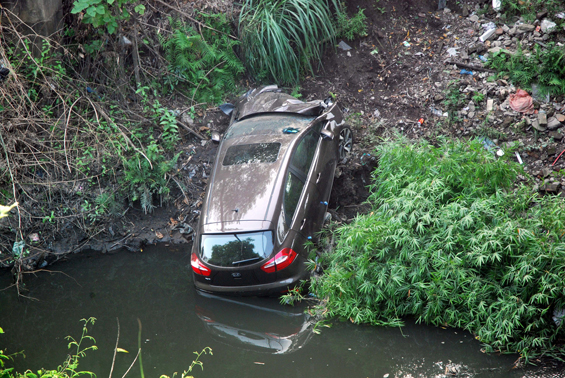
{"x":268,"y":193}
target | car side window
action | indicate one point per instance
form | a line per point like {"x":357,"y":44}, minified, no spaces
{"x":299,"y":166}
{"x":292,"y":190}
{"x":304,"y":153}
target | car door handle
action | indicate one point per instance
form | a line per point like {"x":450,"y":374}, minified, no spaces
{"x":303,"y":223}
{"x":318,"y":177}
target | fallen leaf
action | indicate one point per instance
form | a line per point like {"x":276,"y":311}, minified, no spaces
{"x":159,"y":235}
{"x":121,"y":350}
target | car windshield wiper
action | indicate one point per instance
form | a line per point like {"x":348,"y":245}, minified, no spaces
{"x":245,"y":261}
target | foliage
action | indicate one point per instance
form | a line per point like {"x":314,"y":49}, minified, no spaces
{"x":528,"y":8}
{"x":282,"y":37}
{"x":105,"y":12}
{"x":204,"y":64}
{"x":451,"y":242}
{"x":454,"y":100}
{"x":146,"y":175}
{"x":478,"y":97}
{"x":544,"y":67}
{"x":351,"y":28}
{"x":196,"y":362}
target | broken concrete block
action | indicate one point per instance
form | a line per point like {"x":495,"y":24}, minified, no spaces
{"x":553,"y":123}
{"x":490,"y":105}
{"x":542,"y":119}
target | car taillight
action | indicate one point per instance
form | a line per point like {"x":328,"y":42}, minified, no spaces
{"x":281,"y":260}
{"x":198,"y":267}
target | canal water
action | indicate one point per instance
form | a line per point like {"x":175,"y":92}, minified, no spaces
{"x":255,"y":337}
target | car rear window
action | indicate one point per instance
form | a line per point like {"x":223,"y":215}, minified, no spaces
{"x":252,"y":153}
{"x":236,"y":249}
{"x":270,"y":124}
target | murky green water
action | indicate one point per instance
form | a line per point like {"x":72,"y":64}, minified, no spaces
{"x":251,"y":338}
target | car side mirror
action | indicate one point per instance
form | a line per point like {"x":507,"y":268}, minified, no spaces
{"x":327,"y":134}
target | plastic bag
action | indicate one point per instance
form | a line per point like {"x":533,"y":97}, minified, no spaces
{"x":522,"y":102}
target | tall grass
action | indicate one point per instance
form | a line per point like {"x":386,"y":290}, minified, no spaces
{"x":452,"y":242}
{"x":282,"y":37}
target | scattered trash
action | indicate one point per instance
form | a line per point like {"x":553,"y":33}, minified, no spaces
{"x":500,"y":153}
{"x":34,"y":237}
{"x":421,"y":121}
{"x":489,"y":26}
{"x":496,"y":4}
{"x":487,"y":144}
{"x":377,"y":114}
{"x":522,"y":102}
{"x":548,"y":26}
{"x":290,"y":130}
{"x":487,"y":35}
{"x":441,"y":4}
{"x":227,"y":108}
{"x":490,"y":105}
{"x":344,"y":46}
{"x":538,"y":95}
{"x":406,"y":43}
{"x":438,"y":112}
{"x":519,"y":158}
{"x":18,"y":248}
{"x":558,"y":315}
{"x":560,"y":15}
{"x":466,"y":72}
{"x":452,"y":51}
{"x":557,"y":158}
{"x":483,"y":58}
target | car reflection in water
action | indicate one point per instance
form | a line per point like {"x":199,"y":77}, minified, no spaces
{"x":257,"y":324}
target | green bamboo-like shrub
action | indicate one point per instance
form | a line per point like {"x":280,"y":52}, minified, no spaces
{"x":451,"y":241}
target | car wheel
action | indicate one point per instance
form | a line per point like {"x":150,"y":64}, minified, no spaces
{"x":345,"y":142}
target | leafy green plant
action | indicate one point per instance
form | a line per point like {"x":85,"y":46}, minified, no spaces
{"x":147,"y":175}
{"x":528,"y":9}
{"x":454,"y":100}
{"x":282,"y":37}
{"x":204,"y":64}
{"x":351,"y":28}
{"x":478,"y":97}
{"x":452,"y":241}
{"x":105,"y":12}
{"x":545,"y":67}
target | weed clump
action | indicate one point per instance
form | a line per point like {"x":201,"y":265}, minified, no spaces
{"x":452,"y":242}
{"x":544,"y":67}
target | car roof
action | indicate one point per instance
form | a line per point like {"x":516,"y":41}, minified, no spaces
{"x":242,"y":196}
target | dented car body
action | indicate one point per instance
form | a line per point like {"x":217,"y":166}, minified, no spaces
{"x":268,"y":193}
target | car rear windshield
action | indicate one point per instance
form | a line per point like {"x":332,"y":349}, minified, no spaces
{"x":252,"y":153}
{"x":236,"y":249}
{"x":269,"y":124}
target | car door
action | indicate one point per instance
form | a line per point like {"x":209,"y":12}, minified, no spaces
{"x":301,"y":196}
{"x":322,"y":175}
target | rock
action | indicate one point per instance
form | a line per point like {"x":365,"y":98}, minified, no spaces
{"x":499,"y":31}
{"x":525,"y":28}
{"x":551,"y":188}
{"x":537,"y":126}
{"x":557,"y":136}
{"x":546,"y":172}
{"x":505,"y":28}
{"x":560,"y":118}
{"x":512,"y":31}
{"x":542,"y":119}
{"x":471,"y":114}
{"x":548,"y":26}
{"x":474,"y":18}
{"x":344,"y":46}
{"x":552,"y":150}
{"x":541,"y":14}
{"x":507,"y":121}
{"x":490,"y":105}
{"x":553,"y":124}
{"x":465,"y":11}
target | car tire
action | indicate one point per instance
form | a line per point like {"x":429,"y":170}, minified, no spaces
{"x":345,"y":142}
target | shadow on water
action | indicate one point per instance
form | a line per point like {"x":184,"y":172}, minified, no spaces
{"x":251,"y":337}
